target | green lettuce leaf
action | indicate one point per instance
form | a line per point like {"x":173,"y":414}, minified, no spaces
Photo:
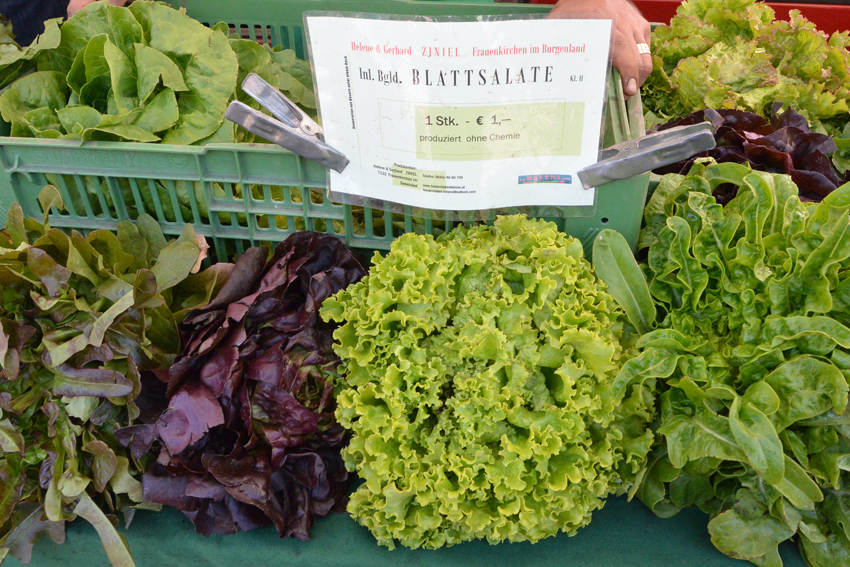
{"x":154,"y":66}
{"x":209,"y":67}
{"x":16,"y":61}
{"x":41,"y":90}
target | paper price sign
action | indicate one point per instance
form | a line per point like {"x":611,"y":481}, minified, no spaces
{"x":461,"y":115}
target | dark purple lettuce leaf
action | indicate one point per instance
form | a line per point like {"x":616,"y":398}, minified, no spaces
{"x":137,"y":438}
{"x":245,"y":433}
{"x":817,"y":185}
{"x":733,"y":119}
{"x":249,"y":266}
{"x":157,"y":486}
{"x":788,"y":118}
{"x":745,"y":122}
{"x":785,"y":144}
{"x":770,"y":159}
{"x":818,"y":162}
{"x":192,"y":412}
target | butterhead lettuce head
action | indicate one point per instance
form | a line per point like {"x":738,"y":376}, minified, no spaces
{"x":479,"y":388}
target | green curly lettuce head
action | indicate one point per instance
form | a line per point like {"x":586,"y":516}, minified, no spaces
{"x":479,"y":388}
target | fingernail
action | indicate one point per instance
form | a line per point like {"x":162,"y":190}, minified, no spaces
{"x":632,"y":86}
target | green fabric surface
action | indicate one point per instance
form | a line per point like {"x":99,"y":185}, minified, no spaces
{"x":621,"y":534}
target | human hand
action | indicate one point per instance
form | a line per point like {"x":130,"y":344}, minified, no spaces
{"x":76,"y":5}
{"x":630,"y":30}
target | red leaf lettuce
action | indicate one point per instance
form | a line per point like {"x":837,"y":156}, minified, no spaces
{"x":784,"y":144}
{"x":80,"y":318}
{"x":249,"y":436}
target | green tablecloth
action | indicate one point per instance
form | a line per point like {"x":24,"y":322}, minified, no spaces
{"x":621,"y":534}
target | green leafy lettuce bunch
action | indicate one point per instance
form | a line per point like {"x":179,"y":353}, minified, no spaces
{"x":16,"y":60}
{"x":145,"y":73}
{"x":479,"y":387}
{"x":752,"y":353}
{"x":736,"y":55}
{"x":81,"y":318}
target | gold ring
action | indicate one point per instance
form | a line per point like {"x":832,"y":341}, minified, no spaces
{"x":643,"y":49}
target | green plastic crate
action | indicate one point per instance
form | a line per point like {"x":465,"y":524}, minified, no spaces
{"x":238,"y":195}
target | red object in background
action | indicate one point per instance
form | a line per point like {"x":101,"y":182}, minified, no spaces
{"x":827,"y":17}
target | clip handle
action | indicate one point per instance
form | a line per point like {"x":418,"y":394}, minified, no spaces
{"x":285,"y":136}
{"x":646,"y":153}
{"x":281,"y":107}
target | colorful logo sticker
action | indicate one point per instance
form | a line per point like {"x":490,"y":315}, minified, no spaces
{"x":545,"y":178}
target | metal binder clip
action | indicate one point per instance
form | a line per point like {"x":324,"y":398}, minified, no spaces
{"x":646,"y":153}
{"x":291,"y":128}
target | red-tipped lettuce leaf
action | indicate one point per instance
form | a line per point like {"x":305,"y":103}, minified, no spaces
{"x":79,"y":317}
{"x":100,"y":382}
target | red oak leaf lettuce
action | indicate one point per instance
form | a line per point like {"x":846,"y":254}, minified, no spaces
{"x":81,"y":319}
{"x":784,"y":144}
{"x":247,"y":434}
